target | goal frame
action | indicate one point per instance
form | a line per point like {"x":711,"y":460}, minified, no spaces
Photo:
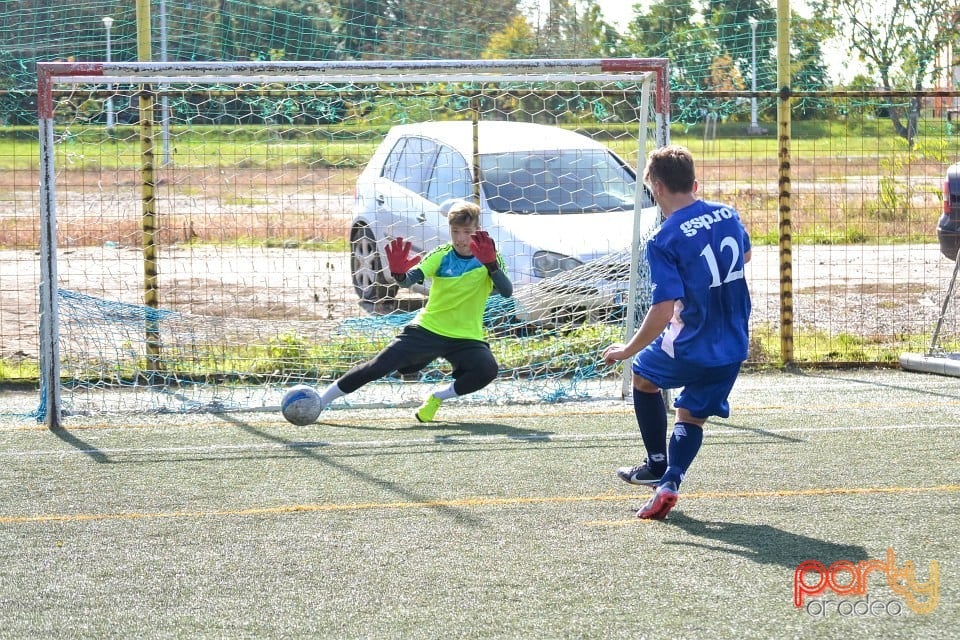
{"x":150,"y":74}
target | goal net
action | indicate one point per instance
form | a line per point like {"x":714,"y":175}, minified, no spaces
{"x":213,"y":233}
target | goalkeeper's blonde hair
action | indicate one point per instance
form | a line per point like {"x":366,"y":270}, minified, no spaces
{"x":462,"y":213}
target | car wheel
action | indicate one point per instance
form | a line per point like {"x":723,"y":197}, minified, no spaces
{"x":369,"y":280}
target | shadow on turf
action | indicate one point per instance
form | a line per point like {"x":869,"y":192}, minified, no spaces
{"x":81,"y":445}
{"x":879,"y":385}
{"x":396,"y":488}
{"x":454,"y":429}
{"x":756,"y":431}
{"x":763,"y":543}
{"x":451,"y":429}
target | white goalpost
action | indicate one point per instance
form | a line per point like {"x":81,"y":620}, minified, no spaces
{"x":234,"y":270}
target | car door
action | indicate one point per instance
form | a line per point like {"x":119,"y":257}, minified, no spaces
{"x":391,"y":201}
{"x":450,"y":179}
{"x":414,"y":215}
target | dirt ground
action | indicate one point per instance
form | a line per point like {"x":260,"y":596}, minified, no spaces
{"x":871,"y":291}
{"x":861,"y":290}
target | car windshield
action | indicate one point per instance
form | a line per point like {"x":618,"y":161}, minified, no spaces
{"x":564,"y":181}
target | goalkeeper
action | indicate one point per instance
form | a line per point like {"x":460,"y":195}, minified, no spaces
{"x":463,"y":275}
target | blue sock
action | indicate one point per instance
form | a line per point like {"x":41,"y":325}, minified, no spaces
{"x":684,"y":445}
{"x":652,"y":419}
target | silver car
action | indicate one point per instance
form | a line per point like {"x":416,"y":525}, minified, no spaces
{"x":559,"y":205}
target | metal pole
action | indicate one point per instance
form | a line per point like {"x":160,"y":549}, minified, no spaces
{"x":108,"y":23}
{"x":475,"y":129}
{"x":164,"y":100}
{"x":641,"y":230}
{"x":784,"y":182}
{"x":49,"y":410}
{"x":151,"y":281}
{"x":754,"y":127}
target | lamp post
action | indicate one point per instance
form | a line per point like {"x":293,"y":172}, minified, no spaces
{"x":754,"y":127}
{"x":108,"y":22}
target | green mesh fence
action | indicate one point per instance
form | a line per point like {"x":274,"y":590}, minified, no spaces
{"x":710,"y":53}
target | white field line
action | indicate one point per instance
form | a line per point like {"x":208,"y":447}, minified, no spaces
{"x":452,"y":440}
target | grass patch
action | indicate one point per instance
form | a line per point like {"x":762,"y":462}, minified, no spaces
{"x":347,"y":145}
{"x":242,"y":201}
{"x":843,"y":348}
{"x":332,"y":245}
{"x":573,"y":352}
{"x":19,"y":369}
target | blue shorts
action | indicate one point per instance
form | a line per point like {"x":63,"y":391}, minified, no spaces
{"x":704,"y":390}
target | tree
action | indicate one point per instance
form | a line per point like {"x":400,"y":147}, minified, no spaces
{"x":808,"y":71}
{"x":899,"y":41}
{"x":576,"y":29}
{"x":724,"y":75}
{"x":411,"y":29}
{"x":678,"y":31}
{"x":360,"y":25}
{"x":515,"y":40}
{"x":652,"y":34}
{"x":281,"y":29}
{"x":734,"y":35}
{"x":675,"y":30}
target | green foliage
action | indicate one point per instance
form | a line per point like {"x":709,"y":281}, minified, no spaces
{"x":19,"y":369}
{"x":412,"y":29}
{"x":900,"y":42}
{"x":830,"y":235}
{"x":576,"y":29}
{"x":289,"y":351}
{"x":807,"y":69}
{"x":575,"y":349}
{"x":337,"y":245}
{"x":515,"y":40}
{"x":707,"y":43}
{"x":896,"y":193}
{"x":822,"y":348}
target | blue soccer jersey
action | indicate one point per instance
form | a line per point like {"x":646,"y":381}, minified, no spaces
{"x":697,"y":258}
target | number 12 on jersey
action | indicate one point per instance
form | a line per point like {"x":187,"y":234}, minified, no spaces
{"x":733,"y":273}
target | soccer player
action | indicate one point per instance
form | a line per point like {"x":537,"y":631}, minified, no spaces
{"x":463,"y":275}
{"x":695,"y":333}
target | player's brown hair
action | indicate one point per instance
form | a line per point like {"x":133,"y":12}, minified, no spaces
{"x":673,"y":166}
{"x":464,"y":214}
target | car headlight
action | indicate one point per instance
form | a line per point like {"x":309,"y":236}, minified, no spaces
{"x":548,"y":263}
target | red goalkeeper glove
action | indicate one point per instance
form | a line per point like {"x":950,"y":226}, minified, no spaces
{"x":483,"y":249}
{"x":398,"y":258}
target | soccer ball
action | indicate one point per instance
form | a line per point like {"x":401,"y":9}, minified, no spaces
{"x":301,"y":405}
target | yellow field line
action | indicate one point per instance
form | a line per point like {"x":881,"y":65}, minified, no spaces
{"x":468,"y":502}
